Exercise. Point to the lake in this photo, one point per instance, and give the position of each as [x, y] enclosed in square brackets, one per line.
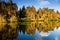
[30, 31]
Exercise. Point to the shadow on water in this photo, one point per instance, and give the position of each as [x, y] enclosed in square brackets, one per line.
[29, 31]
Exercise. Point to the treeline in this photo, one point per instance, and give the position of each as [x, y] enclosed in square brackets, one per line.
[41, 14]
[9, 12]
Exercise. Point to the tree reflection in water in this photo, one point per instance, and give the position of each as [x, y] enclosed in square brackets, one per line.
[30, 28]
[45, 27]
[41, 26]
[9, 31]
[22, 28]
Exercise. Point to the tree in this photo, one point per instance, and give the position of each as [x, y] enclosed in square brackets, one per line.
[22, 12]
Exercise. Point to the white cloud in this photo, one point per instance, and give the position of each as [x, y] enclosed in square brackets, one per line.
[56, 38]
[44, 3]
[44, 34]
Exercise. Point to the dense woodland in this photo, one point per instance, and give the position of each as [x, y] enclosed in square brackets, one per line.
[42, 14]
[9, 12]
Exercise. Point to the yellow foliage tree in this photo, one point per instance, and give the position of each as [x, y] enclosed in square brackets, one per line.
[13, 19]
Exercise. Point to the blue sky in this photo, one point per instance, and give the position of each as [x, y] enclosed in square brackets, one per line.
[53, 4]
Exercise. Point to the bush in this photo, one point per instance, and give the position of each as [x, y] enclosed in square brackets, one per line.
[52, 19]
[24, 19]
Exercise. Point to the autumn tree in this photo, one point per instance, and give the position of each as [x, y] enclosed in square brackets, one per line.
[31, 12]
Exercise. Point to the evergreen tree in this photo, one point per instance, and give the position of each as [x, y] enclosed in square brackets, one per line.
[22, 12]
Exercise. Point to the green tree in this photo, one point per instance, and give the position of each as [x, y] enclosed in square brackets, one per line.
[22, 12]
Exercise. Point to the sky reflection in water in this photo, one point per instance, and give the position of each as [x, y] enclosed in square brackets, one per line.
[51, 35]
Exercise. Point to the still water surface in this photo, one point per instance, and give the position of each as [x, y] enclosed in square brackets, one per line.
[30, 31]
